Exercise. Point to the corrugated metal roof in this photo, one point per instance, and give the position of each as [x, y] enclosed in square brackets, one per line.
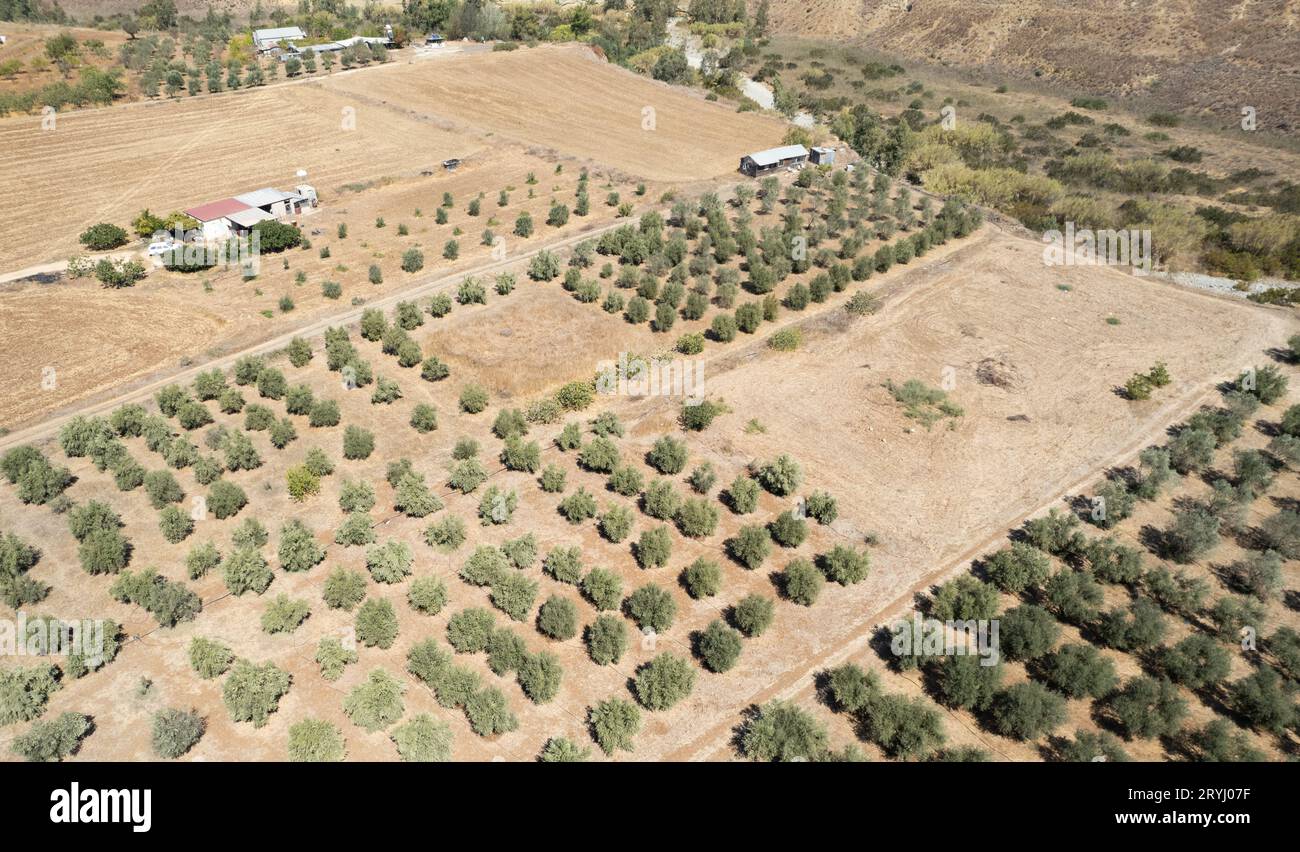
[278, 34]
[263, 197]
[775, 155]
[249, 218]
[214, 210]
[330, 46]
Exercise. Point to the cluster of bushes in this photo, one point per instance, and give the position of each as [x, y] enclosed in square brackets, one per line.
[485, 707]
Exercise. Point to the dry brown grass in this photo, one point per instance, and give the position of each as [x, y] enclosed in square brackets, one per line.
[1193, 54]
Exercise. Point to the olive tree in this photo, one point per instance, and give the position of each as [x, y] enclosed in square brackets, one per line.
[652, 608]
[614, 722]
[664, 681]
[175, 732]
[558, 618]
[375, 703]
[376, 624]
[718, 646]
[1079, 671]
[1148, 708]
[781, 731]
[1026, 711]
[423, 739]
[753, 614]
[606, 639]
[252, 692]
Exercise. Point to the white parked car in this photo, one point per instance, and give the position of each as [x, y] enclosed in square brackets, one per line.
[161, 248]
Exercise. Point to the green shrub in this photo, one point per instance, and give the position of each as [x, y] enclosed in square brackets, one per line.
[333, 658]
[787, 530]
[654, 547]
[1148, 708]
[24, 692]
[664, 681]
[284, 615]
[661, 500]
[613, 724]
[168, 601]
[539, 677]
[606, 639]
[802, 582]
[844, 565]
[358, 443]
[103, 236]
[750, 546]
[578, 506]
[209, 658]
[822, 508]
[175, 732]
[52, 740]
[668, 455]
[652, 608]
[1018, 567]
[225, 499]
[1026, 711]
[742, 495]
[780, 476]
[423, 739]
[316, 741]
[252, 692]
[468, 630]
[1028, 632]
[718, 646]
[489, 714]
[603, 588]
[781, 731]
[702, 578]
[473, 399]
[447, 534]
[376, 624]
[376, 703]
[753, 614]
[514, 594]
[558, 618]
[562, 750]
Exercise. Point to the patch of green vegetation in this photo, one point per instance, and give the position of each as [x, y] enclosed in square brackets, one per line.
[923, 403]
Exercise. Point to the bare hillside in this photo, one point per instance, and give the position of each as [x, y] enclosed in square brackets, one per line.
[1209, 56]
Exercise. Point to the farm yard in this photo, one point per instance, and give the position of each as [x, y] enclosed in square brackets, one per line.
[170, 156]
[174, 154]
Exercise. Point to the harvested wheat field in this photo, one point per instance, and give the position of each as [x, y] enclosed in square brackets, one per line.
[569, 100]
[108, 164]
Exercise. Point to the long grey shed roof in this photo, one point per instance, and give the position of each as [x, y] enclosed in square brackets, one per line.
[772, 156]
[274, 34]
